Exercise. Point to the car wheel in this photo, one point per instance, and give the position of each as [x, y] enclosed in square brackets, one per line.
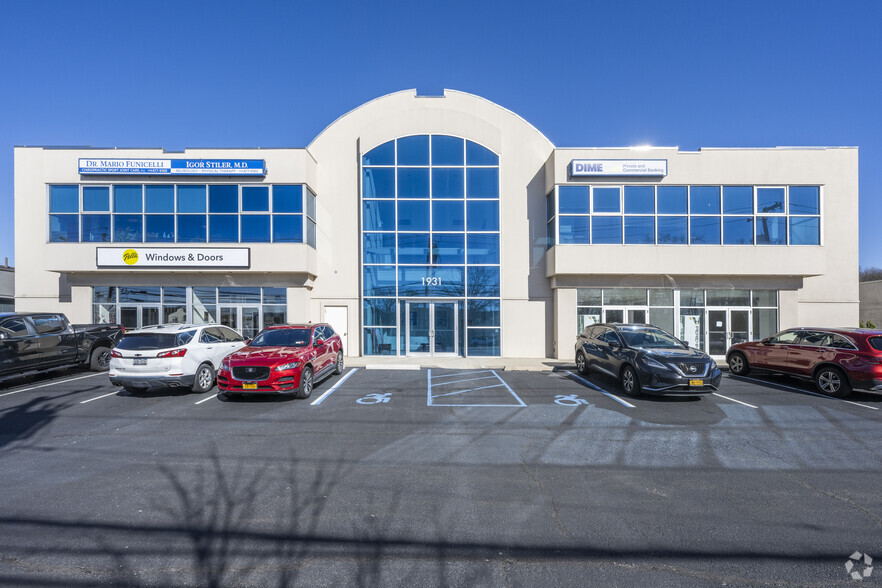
[832, 382]
[339, 367]
[581, 363]
[630, 381]
[204, 379]
[100, 359]
[305, 383]
[738, 364]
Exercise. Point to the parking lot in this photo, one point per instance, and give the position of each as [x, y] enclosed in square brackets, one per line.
[437, 477]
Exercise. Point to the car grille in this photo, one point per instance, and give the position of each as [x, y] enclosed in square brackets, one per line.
[693, 368]
[251, 372]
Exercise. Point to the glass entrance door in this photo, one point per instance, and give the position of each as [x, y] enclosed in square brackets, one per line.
[244, 319]
[625, 315]
[725, 327]
[432, 328]
[135, 317]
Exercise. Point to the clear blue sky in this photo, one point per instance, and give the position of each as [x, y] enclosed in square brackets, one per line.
[692, 74]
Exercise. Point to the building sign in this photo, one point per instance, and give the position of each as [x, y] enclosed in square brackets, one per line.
[177, 257]
[619, 167]
[173, 167]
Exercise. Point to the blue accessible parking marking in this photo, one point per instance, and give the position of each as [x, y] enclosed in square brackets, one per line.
[481, 387]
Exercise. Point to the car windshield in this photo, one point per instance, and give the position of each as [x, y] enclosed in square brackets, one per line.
[650, 339]
[141, 341]
[282, 338]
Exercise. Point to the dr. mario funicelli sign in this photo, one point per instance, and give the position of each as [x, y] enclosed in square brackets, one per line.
[156, 257]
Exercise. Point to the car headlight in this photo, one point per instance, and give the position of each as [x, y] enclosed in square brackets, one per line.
[224, 365]
[649, 362]
[288, 366]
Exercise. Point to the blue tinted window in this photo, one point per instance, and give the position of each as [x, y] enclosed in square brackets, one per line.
[413, 215]
[64, 228]
[672, 199]
[639, 229]
[771, 230]
[64, 199]
[379, 280]
[191, 199]
[704, 230]
[223, 228]
[483, 215]
[310, 232]
[607, 200]
[413, 248]
[413, 182]
[127, 199]
[483, 313]
[223, 199]
[127, 227]
[159, 198]
[550, 233]
[96, 227]
[573, 199]
[482, 182]
[310, 204]
[483, 280]
[159, 228]
[447, 150]
[483, 248]
[672, 229]
[448, 248]
[639, 200]
[288, 228]
[769, 200]
[287, 198]
[379, 311]
[381, 155]
[413, 150]
[738, 230]
[805, 200]
[378, 215]
[191, 227]
[378, 182]
[704, 200]
[380, 341]
[479, 155]
[255, 198]
[574, 230]
[255, 228]
[448, 182]
[431, 281]
[448, 215]
[96, 198]
[484, 342]
[549, 206]
[805, 231]
[379, 248]
[737, 200]
[606, 229]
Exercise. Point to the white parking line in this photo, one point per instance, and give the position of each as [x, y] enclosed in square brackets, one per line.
[733, 400]
[602, 391]
[210, 396]
[98, 397]
[53, 383]
[318, 400]
[802, 391]
[431, 396]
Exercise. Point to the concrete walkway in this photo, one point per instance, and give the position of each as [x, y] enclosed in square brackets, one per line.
[533, 364]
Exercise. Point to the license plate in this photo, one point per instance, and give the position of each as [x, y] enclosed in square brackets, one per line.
[696, 382]
[140, 361]
[249, 386]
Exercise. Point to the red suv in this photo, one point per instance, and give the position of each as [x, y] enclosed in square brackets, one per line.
[836, 359]
[285, 359]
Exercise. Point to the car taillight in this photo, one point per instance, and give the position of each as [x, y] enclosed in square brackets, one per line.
[173, 353]
[115, 353]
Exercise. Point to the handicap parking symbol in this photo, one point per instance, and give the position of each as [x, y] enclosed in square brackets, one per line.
[569, 400]
[375, 398]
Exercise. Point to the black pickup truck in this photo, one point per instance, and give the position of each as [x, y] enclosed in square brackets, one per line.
[32, 342]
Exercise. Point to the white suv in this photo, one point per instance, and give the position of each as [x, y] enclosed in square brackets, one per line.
[172, 355]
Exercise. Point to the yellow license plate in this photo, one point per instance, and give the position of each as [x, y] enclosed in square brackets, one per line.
[696, 382]
[249, 386]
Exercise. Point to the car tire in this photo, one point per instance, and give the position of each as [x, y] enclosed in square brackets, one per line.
[630, 381]
[305, 389]
[338, 368]
[738, 364]
[581, 363]
[99, 361]
[832, 381]
[204, 380]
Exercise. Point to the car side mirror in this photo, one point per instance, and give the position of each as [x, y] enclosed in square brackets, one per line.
[247, 341]
[685, 343]
[319, 342]
[615, 344]
[767, 341]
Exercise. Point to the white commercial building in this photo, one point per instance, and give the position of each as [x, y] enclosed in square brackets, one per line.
[442, 225]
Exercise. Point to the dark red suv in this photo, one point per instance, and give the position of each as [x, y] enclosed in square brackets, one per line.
[836, 359]
[284, 359]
